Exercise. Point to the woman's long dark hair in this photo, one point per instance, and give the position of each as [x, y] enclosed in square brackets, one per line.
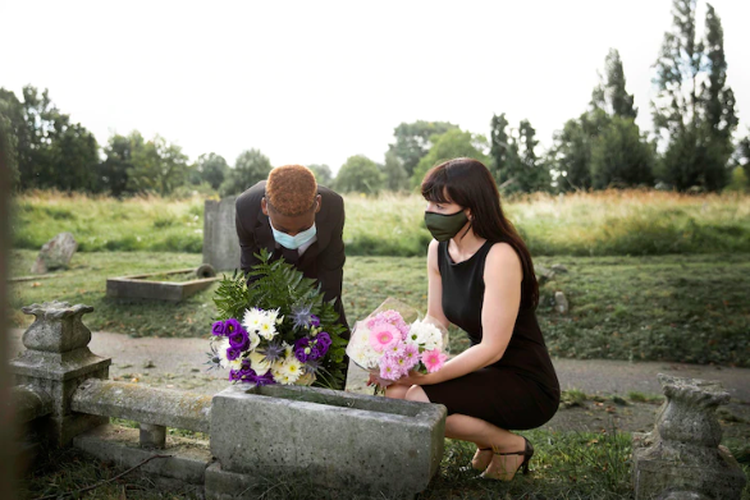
[468, 183]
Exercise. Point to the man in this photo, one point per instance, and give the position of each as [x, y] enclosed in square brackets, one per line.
[293, 217]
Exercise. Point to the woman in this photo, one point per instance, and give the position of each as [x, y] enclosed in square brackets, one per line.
[481, 279]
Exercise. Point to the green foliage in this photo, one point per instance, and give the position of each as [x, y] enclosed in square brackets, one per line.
[50, 151]
[454, 143]
[396, 178]
[251, 167]
[157, 167]
[212, 169]
[740, 181]
[697, 119]
[414, 140]
[360, 175]
[611, 95]
[604, 147]
[516, 165]
[620, 157]
[279, 285]
[8, 143]
[323, 174]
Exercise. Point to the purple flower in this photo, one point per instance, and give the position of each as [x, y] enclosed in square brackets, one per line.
[302, 349]
[314, 320]
[267, 379]
[231, 325]
[315, 352]
[233, 353]
[219, 329]
[239, 339]
[234, 375]
[324, 342]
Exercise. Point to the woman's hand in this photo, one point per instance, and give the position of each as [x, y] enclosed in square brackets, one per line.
[412, 378]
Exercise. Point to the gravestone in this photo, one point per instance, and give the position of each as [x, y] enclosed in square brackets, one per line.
[682, 457]
[55, 254]
[221, 246]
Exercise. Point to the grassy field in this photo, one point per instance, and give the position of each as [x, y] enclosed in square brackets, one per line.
[606, 223]
[690, 308]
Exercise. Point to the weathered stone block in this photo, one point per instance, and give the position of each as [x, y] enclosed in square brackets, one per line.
[221, 245]
[346, 442]
[55, 254]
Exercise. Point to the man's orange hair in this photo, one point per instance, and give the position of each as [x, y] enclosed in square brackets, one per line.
[291, 189]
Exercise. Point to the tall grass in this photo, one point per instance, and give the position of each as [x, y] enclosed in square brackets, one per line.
[631, 222]
[107, 224]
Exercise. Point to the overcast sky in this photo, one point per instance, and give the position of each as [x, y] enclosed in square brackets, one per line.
[319, 81]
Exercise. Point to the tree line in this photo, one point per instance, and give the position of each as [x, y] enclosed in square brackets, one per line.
[692, 148]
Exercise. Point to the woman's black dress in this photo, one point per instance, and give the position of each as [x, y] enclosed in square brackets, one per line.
[518, 392]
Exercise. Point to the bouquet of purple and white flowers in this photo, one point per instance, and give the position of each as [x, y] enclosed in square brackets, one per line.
[277, 329]
[254, 352]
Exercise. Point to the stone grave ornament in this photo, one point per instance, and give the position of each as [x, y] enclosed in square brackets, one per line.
[682, 457]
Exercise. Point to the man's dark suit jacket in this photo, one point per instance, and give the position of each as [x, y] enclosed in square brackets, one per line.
[323, 260]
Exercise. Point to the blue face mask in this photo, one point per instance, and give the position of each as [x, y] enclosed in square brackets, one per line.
[296, 241]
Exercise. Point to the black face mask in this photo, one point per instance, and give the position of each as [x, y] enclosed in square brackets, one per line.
[444, 227]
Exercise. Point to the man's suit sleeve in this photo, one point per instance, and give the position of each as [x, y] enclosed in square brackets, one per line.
[331, 263]
[248, 243]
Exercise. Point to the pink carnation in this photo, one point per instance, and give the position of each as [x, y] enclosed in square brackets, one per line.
[433, 360]
[383, 336]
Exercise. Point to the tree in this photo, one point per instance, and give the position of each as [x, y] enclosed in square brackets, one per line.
[212, 169]
[323, 174]
[604, 146]
[157, 167]
[413, 141]
[8, 138]
[119, 152]
[359, 174]
[251, 167]
[611, 95]
[501, 149]
[454, 143]
[396, 178]
[50, 151]
[620, 157]
[743, 155]
[696, 121]
[516, 165]
[571, 153]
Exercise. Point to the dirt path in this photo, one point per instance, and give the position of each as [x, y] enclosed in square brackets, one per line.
[180, 364]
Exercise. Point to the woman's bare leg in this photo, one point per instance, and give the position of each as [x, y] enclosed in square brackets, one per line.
[484, 435]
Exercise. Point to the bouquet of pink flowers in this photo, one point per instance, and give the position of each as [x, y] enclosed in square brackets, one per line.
[388, 347]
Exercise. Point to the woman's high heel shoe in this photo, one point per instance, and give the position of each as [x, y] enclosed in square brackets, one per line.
[501, 473]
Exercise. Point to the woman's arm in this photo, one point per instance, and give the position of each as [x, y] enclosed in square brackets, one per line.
[502, 298]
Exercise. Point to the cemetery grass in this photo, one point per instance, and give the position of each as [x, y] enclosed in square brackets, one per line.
[566, 466]
[683, 308]
[602, 223]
